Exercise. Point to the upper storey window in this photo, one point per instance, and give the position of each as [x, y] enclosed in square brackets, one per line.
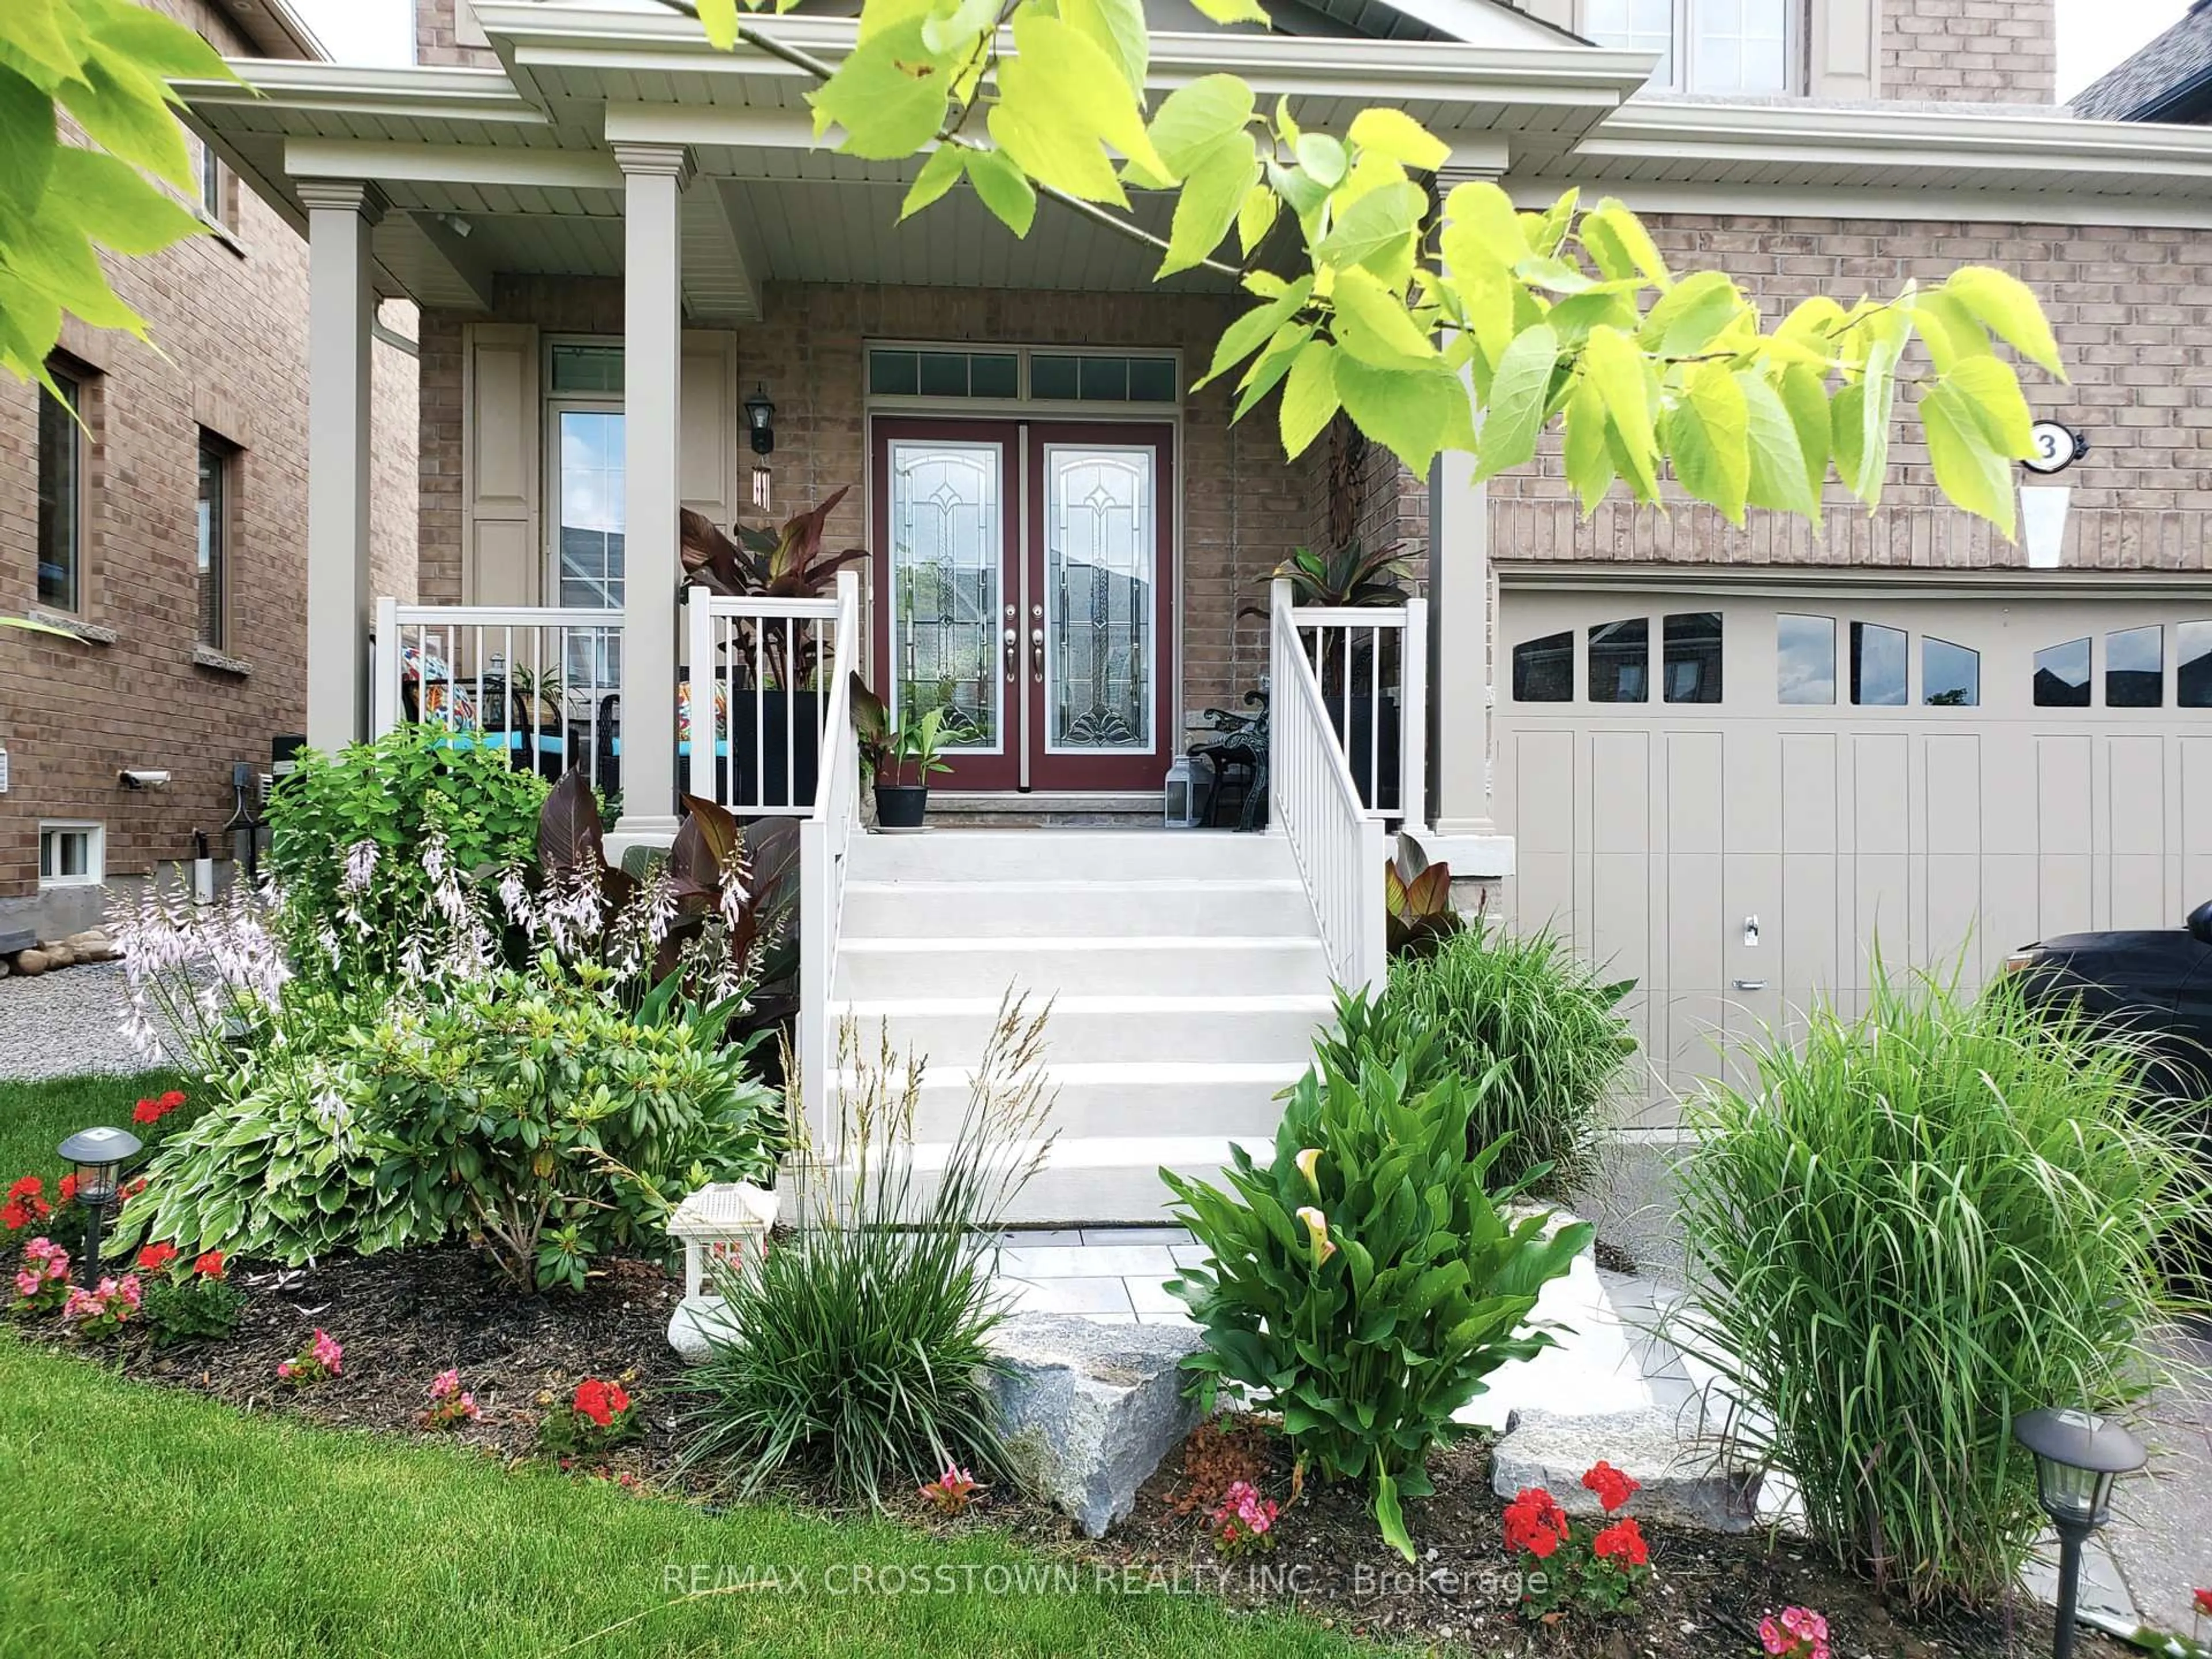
[1703, 46]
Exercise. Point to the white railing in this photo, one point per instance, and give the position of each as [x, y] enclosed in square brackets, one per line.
[825, 838]
[1371, 669]
[540, 682]
[1313, 802]
[768, 661]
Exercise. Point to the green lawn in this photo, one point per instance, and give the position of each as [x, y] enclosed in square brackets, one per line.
[36, 1117]
[144, 1520]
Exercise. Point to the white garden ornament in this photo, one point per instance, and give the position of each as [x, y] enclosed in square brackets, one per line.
[724, 1221]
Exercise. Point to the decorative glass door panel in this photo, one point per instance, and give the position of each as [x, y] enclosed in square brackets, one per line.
[1100, 547]
[1023, 578]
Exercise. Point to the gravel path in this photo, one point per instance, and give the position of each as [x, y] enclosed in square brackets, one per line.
[65, 1024]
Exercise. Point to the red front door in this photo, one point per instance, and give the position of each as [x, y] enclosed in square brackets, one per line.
[1024, 580]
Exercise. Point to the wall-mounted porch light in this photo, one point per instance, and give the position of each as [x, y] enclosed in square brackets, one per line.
[760, 419]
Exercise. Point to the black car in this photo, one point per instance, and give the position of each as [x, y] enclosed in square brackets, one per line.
[2154, 982]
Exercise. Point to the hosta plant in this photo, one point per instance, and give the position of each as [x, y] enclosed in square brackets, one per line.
[1363, 1282]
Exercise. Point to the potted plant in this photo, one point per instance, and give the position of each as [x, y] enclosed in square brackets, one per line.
[1349, 579]
[776, 710]
[900, 755]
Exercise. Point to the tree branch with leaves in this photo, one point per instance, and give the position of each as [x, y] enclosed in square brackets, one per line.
[105, 64]
[1435, 319]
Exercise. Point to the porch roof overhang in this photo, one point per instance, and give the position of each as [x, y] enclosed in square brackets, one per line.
[513, 169]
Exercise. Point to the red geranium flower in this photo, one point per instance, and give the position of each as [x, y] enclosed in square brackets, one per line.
[145, 1112]
[617, 1398]
[133, 1189]
[593, 1402]
[209, 1266]
[2204, 1601]
[155, 1257]
[1535, 1522]
[1614, 1488]
[172, 1100]
[68, 1187]
[1623, 1541]
[27, 1187]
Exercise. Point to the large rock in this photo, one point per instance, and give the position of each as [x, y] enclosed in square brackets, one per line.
[91, 945]
[1088, 1410]
[32, 962]
[696, 1319]
[1685, 1480]
[58, 954]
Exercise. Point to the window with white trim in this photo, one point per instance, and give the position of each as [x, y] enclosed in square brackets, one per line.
[1705, 45]
[72, 854]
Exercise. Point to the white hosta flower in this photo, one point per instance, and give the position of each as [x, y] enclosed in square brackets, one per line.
[360, 867]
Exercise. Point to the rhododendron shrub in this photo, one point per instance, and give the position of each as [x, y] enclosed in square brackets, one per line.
[1372, 1317]
[1572, 1566]
[599, 1416]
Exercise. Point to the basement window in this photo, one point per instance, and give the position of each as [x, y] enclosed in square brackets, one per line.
[72, 854]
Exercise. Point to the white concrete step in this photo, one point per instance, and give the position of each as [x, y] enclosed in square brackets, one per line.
[1143, 1099]
[952, 1031]
[1074, 965]
[1085, 1177]
[1201, 908]
[1086, 854]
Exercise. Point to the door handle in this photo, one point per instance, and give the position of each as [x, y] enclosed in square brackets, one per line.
[1012, 640]
[1751, 985]
[1036, 659]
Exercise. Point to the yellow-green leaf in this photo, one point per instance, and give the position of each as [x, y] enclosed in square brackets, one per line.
[1268, 368]
[1479, 216]
[955, 33]
[27, 142]
[1776, 478]
[890, 96]
[1412, 413]
[1589, 459]
[158, 45]
[1519, 393]
[1377, 231]
[720, 19]
[2008, 308]
[1633, 239]
[1805, 395]
[1193, 118]
[1399, 136]
[1689, 316]
[1373, 324]
[1309, 396]
[1209, 202]
[127, 114]
[1323, 158]
[1256, 218]
[1251, 330]
[1708, 438]
[1969, 473]
[1059, 100]
[115, 206]
[1952, 331]
[1004, 188]
[1232, 11]
[1989, 387]
[1615, 369]
[939, 175]
[1118, 27]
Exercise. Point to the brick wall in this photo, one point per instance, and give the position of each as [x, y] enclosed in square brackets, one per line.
[1991, 52]
[1242, 509]
[2132, 310]
[395, 473]
[231, 316]
[437, 37]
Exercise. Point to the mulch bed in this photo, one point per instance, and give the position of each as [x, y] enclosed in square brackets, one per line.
[403, 1317]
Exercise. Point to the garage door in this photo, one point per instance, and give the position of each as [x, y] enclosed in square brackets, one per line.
[1737, 795]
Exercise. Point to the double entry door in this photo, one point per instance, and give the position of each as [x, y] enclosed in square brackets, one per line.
[1024, 586]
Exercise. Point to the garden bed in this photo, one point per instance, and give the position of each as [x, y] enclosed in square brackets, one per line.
[405, 1316]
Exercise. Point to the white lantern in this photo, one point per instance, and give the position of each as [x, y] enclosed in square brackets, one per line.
[1179, 801]
[725, 1221]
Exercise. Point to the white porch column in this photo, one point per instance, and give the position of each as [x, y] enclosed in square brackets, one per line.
[1461, 654]
[341, 302]
[654, 176]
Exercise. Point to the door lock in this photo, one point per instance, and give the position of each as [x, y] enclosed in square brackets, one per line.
[1013, 640]
[1751, 930]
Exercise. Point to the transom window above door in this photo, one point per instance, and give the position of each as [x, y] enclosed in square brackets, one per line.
[1025, 375]
[1705, 45]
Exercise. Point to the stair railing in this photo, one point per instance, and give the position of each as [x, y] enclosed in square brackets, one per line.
[1313, 803]
[825, 839]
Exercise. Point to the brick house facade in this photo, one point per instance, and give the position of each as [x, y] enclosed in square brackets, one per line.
[137, 690]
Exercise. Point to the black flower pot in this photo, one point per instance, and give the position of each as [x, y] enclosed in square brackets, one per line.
[901, 805]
